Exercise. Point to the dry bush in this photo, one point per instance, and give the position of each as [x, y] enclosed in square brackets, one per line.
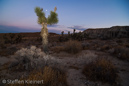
[7, 51]
[73, 46]
[105, 47]
[126, 45]
[31, 58]
[87, 57]
[3, 52]
[85, 46]
[54, 77]
[2, 45]
[118, 41]
[122, 52]
[50, 76]
[4, 66]
[57, 49]
[101, 70]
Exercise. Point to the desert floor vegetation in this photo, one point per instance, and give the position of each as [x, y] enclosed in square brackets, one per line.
[101, 70]
[71, 62]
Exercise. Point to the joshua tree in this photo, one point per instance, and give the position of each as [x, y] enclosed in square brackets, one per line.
[62, 33]
[68, 32]
[42, 20]
[74, 31]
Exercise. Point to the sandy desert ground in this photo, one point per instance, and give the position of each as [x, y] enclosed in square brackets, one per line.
[70, 64]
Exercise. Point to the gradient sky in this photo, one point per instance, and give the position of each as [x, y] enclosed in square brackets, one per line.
[78, 14]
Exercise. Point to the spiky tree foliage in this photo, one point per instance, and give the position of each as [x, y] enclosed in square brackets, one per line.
[42, 20]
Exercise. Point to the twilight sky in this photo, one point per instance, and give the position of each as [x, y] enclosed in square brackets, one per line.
[19, 15]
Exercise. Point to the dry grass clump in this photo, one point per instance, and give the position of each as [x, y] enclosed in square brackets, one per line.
[73, 46]
[50, 76]
[87, 57]
[105, 47]
[126, 45]
[118, 41]
[4, 66]
[122, 52]
[54, 77]
[100, 70]
[57, 49]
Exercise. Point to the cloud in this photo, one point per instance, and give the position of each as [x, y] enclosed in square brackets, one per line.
[13, 29]
[77, 27]
[59, 28]
[51, 28]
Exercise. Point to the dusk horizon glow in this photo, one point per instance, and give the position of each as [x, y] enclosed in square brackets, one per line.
[71, 14]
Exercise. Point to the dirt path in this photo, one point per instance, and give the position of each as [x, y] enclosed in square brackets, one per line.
[123, 71]
[74, 65]
[122, 67]
[75, 78]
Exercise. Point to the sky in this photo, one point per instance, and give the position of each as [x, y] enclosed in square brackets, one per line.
[19, 15]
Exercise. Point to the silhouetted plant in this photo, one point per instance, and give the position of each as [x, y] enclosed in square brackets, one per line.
[18, 38]
[74, 31]
[6, 40]
[42, 20]
[68, 32]
[12, 38]
[62, 33]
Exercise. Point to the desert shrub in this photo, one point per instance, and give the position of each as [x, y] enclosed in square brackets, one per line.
[54, 77]
[50, 76]
[73, 46]
[63, 38]
[85, 46]
[7, 52]
[4, 66]
[31, 58]
[87, 57]
[105, 47]
[101, 70]
[77, 36]
[28, 58]
[57, 49]
[119, 41]
[2, 45]
[122, 52]
[126, 45]
[18, 38]
[12, 38]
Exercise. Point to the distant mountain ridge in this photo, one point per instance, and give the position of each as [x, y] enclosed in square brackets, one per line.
[112, 32]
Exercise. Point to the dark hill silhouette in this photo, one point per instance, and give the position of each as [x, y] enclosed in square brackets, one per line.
[112, 32]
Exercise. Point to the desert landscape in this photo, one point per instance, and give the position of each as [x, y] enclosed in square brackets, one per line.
[64, 43]
[94, 57]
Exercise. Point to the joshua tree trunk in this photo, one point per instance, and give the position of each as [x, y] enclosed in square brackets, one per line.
[44, 35]
[42, 20]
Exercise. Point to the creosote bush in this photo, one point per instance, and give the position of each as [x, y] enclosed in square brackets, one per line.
[50, 76]
[30, 59]
[122, 52]
[73, 46]
[105, 47]
[57, 49]
[101, 70]
[12, 38]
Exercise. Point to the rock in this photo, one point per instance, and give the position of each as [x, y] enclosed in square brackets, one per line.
[106, 33]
